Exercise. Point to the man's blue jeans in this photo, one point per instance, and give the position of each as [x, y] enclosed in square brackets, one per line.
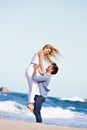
[37, 107]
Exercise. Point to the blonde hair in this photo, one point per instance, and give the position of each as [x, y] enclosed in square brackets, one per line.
[54, 52]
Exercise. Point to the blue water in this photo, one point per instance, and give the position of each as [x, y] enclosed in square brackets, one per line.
[55, 111]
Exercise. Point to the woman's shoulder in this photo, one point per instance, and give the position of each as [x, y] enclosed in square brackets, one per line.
[39, 53]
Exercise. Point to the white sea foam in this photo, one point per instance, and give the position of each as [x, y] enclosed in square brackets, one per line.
[57, 112]
[14, 107]
[47, 112]
[71, 108]
[9, 106]
[73, 99]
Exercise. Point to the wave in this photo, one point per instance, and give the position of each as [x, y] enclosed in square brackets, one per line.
[73, 99]
[74, 104]
[57, 113]
[54, 111]
[51, 112]
[14, 107]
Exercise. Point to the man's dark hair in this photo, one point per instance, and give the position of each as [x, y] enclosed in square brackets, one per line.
[55, 68]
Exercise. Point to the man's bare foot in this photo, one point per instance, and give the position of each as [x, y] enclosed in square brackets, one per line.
[30, 107]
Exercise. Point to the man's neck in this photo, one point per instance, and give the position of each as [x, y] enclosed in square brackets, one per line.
[48, 73]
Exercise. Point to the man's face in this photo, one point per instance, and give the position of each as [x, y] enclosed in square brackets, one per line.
[49, 68]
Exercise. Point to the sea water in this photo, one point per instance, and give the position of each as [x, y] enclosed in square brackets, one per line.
[55, 110]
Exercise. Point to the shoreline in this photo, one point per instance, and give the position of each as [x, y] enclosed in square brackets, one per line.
[17, 124]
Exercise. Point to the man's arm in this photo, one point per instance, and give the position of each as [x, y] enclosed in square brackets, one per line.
[39, 78]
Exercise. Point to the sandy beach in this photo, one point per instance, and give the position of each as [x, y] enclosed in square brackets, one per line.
[21, 125]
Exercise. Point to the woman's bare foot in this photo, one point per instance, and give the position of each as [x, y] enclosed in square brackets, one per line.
[30, 107]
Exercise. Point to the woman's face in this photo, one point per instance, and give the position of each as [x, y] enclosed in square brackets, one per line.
[47, 51]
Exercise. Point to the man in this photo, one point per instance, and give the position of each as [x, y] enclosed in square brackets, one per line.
[42, 90]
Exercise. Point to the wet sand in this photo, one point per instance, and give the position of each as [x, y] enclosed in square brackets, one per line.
[22, 125]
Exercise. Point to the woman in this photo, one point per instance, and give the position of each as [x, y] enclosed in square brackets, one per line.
[46, 53]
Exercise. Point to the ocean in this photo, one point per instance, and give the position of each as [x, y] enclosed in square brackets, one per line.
[55, 111]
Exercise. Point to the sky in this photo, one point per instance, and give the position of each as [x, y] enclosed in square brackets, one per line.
[27, 25]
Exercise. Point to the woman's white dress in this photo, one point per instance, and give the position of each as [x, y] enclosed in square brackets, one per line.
[32, 84]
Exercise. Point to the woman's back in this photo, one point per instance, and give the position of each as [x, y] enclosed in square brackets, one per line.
[35, 59]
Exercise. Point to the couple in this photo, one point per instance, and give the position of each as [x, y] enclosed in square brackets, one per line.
[38, 79]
